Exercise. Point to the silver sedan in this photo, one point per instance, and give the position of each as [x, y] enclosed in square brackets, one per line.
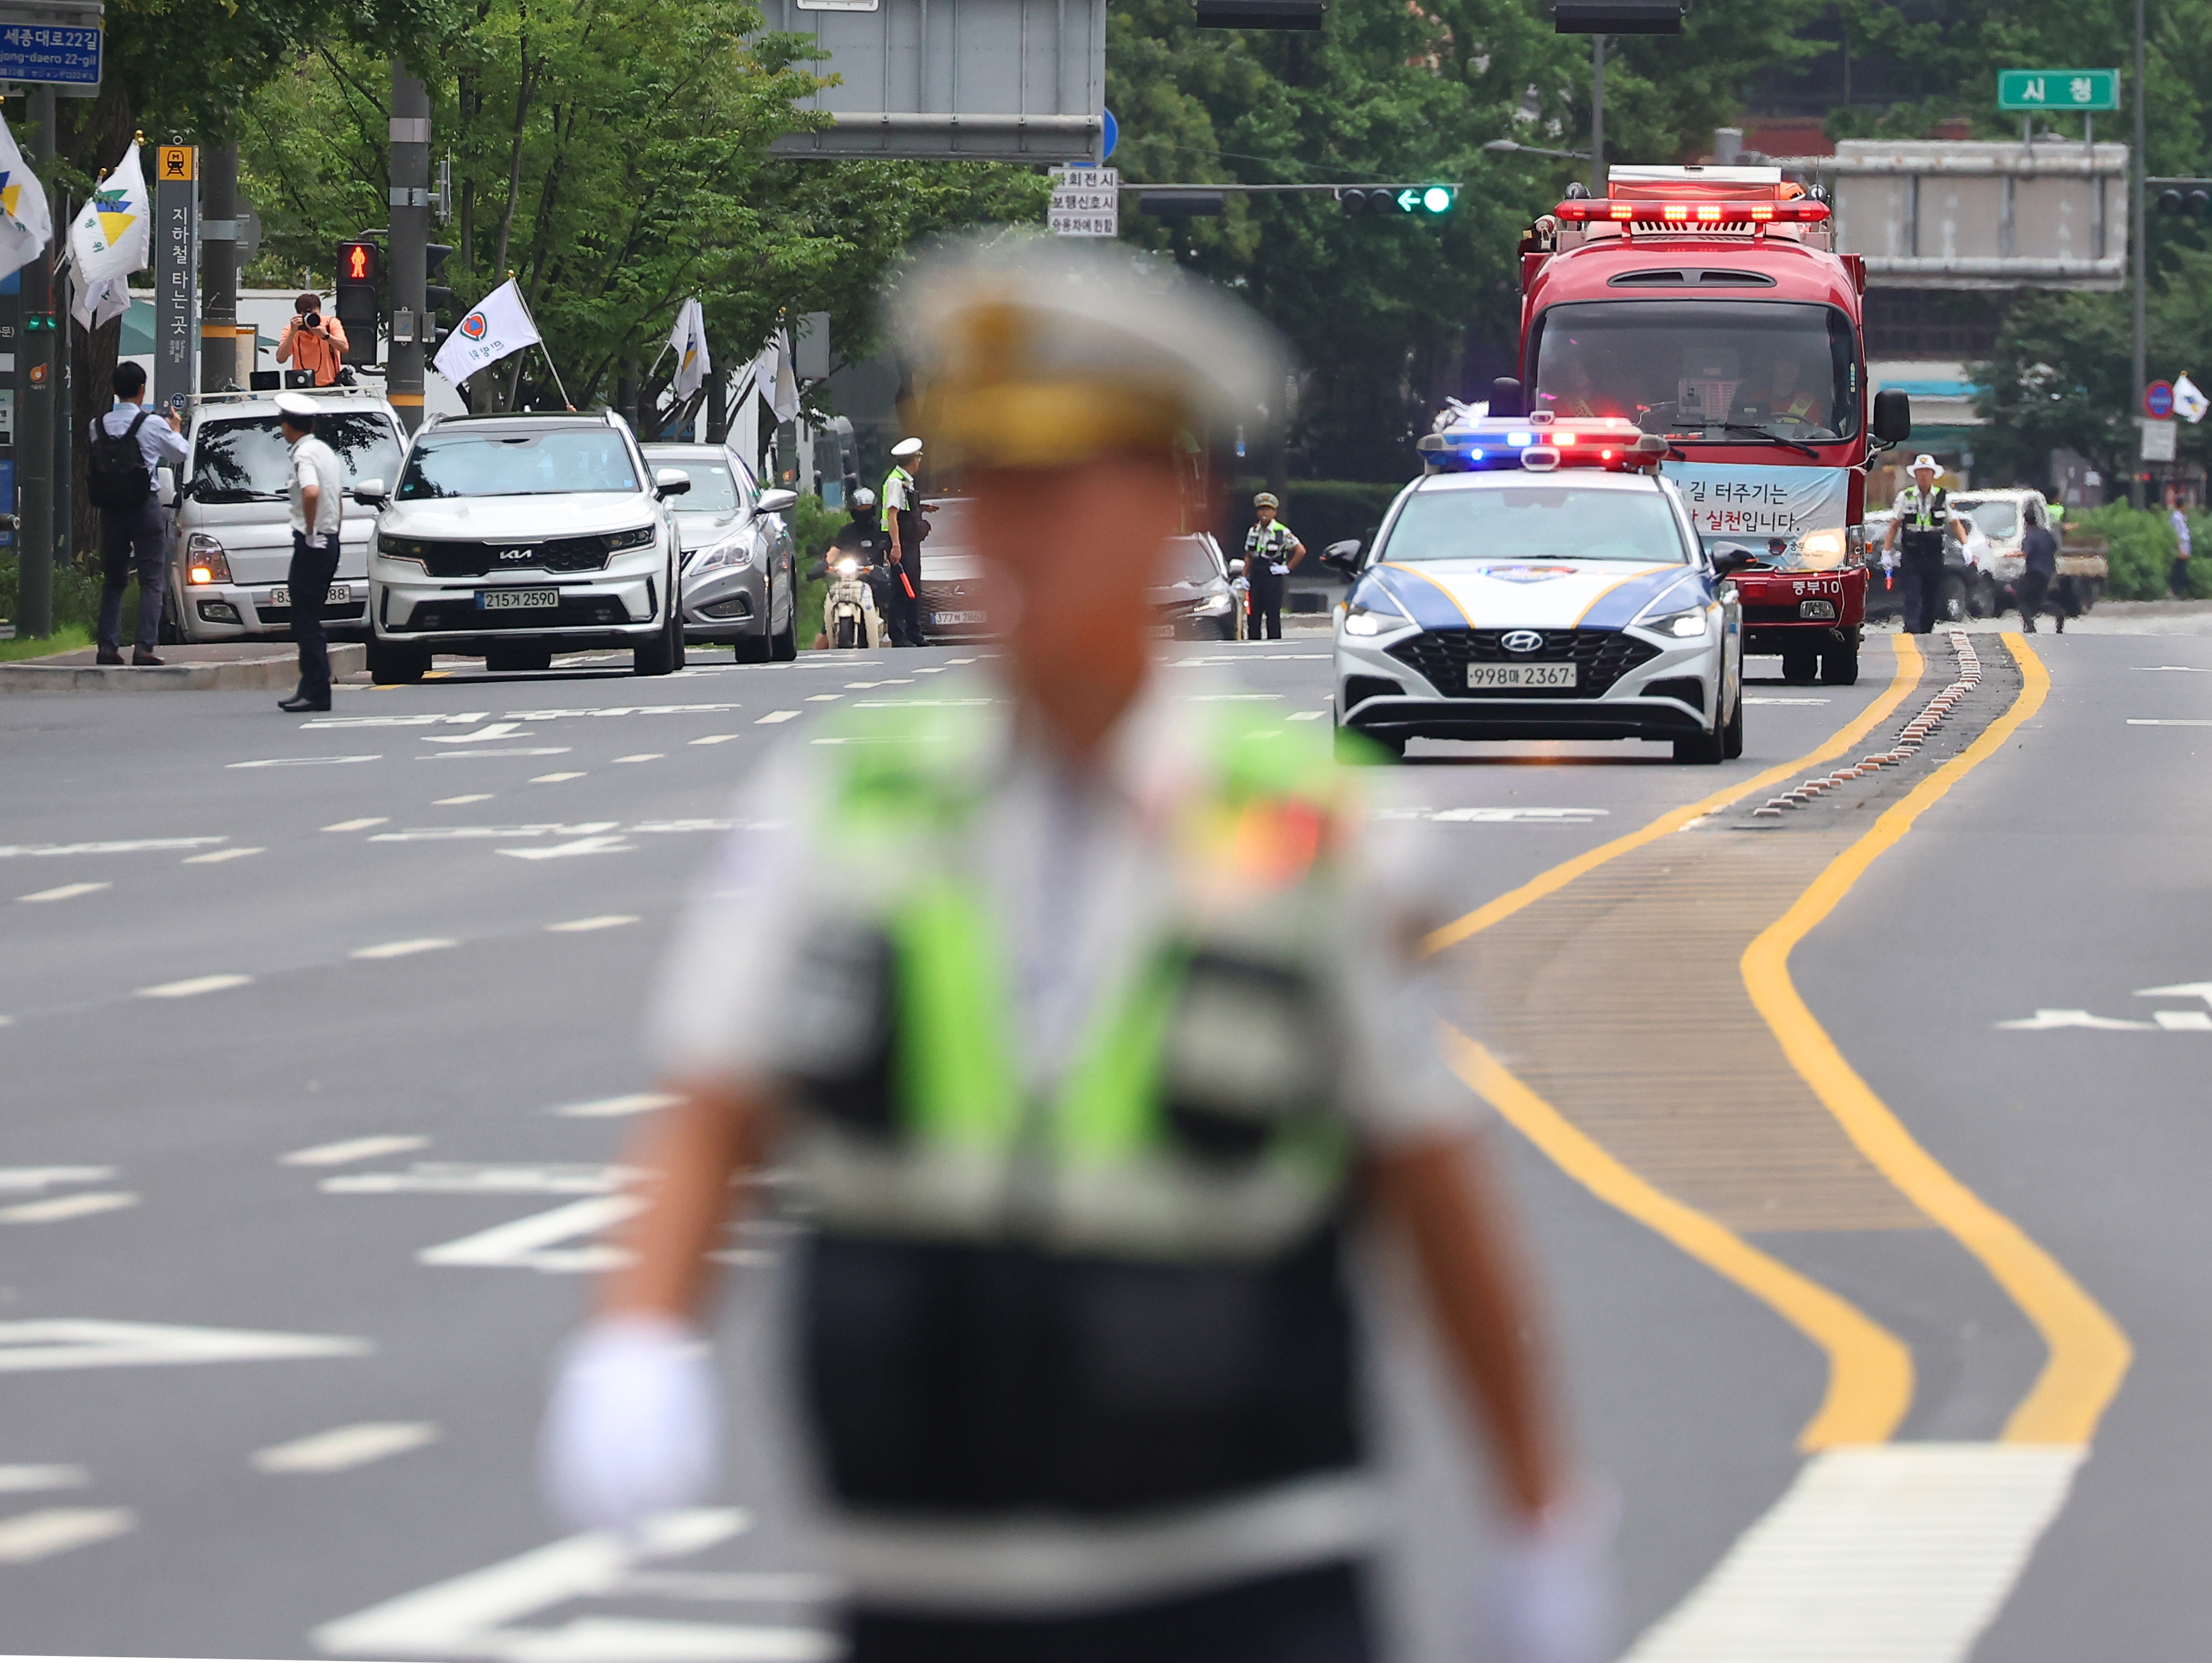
[739, 589]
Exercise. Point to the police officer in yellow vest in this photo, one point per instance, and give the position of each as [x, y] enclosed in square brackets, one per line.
[1087, 1025]
[1921, 522]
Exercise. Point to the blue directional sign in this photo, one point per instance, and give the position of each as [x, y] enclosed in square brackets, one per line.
[50, 54]
[1111, 137]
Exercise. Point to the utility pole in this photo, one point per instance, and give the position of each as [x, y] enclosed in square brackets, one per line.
[2139, 234]
[410, 232]
[219, 267]
[1597, 115]
[34, 441]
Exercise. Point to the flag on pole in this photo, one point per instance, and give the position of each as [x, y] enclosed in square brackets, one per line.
[114, 236]
[782, 388]
[687, 341]
[2190, 402]
[94, 305]
[500, 326]
[28, 224]
[742, 443]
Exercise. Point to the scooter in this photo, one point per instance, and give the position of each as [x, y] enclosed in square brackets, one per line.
[850, 616]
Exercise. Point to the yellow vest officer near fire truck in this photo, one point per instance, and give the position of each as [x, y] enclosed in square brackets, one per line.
[1092, 1028]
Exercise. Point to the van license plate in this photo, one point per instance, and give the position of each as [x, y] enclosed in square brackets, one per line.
[1521, 675]
[341, 594]
[516, 600]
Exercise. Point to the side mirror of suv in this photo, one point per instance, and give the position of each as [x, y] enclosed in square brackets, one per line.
[776, 502]
[1732, 557]
[1344, 557]
[1893, 416]
[371, 494]
[670, 482]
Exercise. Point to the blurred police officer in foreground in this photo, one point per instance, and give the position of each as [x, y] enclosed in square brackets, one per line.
[1093, 1028]
[1922, 523]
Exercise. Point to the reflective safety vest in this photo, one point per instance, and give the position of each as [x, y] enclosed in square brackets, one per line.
[1797, 409]
[1126, 1294]
[1920, 515]
[898, 494]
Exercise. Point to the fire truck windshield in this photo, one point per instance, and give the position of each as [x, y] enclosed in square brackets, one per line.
[1702, 371]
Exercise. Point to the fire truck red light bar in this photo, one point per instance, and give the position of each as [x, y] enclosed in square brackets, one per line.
[1584, 209]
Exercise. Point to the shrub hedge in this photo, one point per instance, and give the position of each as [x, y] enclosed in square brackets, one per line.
[2142, 549]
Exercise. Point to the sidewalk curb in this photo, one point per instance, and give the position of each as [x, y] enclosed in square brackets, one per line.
[277, 668]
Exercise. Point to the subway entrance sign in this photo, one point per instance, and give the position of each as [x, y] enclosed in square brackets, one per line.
[2058, 89]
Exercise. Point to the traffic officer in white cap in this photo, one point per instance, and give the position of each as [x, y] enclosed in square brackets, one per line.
[902, 522]
[1923, 522]
[1088, 1027]
[317, 493]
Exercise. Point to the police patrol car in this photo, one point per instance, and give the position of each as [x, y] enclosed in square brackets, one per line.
[1539, 581]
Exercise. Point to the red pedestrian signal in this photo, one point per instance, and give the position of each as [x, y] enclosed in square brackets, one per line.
[359, 263]
[360, 298]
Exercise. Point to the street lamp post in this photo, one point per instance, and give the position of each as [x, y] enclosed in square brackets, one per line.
[2141, 233]
[1597, 114]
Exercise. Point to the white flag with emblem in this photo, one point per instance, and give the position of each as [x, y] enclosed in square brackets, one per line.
[687, 341]
[26, 225]
[500, 326]
[2190, 402]
[114, 236]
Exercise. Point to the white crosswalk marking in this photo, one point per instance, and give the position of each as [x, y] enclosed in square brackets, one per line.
[353, 1149]
[61, 1207]
[22, 1480]
[403, 948]
[635, 1102]
[66, 892]
[362, 824]
[604, 921]
[191, 985]
[775, 716]
[91, 1342]
[216, 857]
[344, 1448]
[528, 1244]
[30, 1537]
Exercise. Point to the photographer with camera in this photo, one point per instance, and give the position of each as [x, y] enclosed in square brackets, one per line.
[313, 341]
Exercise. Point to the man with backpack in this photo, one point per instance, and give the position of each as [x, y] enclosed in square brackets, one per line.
[129, 445]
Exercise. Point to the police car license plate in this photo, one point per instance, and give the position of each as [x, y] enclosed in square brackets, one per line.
[341, 594]
[1521, 675]
[516, 600]
[948, 619]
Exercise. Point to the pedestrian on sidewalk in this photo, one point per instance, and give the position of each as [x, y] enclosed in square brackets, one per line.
[130, 446]
[313, 340]
[318, 493]
[1095, 1031]
[2039, 550]
[1272, 553]
[2177, 516]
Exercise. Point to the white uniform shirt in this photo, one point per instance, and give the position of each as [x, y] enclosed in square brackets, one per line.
[315, 463]
[2179, 521]
[1076, 869]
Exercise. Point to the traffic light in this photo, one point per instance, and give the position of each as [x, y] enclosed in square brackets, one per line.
[361, 308]
[2196, 204]
[437, 298]
[1618, 16]
[1430, 200]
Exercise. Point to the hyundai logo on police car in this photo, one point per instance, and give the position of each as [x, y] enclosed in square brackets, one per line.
[1521, 640]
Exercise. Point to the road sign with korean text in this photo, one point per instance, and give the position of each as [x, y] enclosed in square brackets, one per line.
[2058, 89]
[1086, 202]
[48, 53]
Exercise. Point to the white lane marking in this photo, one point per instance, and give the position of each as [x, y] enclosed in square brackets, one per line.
[496, 751]
[2179, 990]
[30, 1537]
[953, 661]
[22, 1480]
[555, 715]
[1749, 699]
[403, 948]
[635, 1102]
[612, 845]
[528, 1244]
[1902, 1552]
[483, 735]
[344, 1448]
[92, 1343]
[542, 829]
[2184, 1021]
[362, 824]
[1225, 698]
[300, 761]
[35, 1177]
[136, 845]
[191, 985]
[216, 857]
[781, 1588]
[2048, 1019]
[352, 1149]
[924, 704]
[2167, 721]
[484, 1178]
[604, 921]
[715, 738]
[821, 698]
[1308, 715]
[930, 670]
[776, 716]
[471, 1614]
[58, 1208]
[554, 779]
[457, 718]
[643, 756]
[66, 892]
[471, 796]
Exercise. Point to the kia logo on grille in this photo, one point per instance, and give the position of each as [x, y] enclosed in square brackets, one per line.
[1521, 640]
[517, 554]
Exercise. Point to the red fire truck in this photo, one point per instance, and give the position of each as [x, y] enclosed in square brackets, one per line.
[1708, 305]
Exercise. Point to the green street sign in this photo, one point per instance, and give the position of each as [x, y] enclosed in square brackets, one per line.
[2058, 89]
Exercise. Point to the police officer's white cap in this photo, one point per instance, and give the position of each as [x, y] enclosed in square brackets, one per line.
[1924, 460]
[906, 447]
[297, 403]
[1032, 353]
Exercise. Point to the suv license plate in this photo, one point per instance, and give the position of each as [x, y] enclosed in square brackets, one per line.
[1521, 675]
[516, 600]
[341, 594]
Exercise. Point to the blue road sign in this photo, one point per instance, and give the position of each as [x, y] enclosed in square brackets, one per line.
[46, 54]
[1112, 137]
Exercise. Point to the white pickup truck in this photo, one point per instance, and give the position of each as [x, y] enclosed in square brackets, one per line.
[1978, 579]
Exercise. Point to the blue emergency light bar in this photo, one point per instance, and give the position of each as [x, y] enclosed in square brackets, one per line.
[1540, 443]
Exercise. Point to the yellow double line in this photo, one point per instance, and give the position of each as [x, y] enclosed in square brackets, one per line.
[1869, 1370]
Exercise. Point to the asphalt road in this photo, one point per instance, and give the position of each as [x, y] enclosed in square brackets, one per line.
[319, 1043]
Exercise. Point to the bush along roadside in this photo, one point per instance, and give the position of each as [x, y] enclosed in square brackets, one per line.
[2142, 549]
[76, 598]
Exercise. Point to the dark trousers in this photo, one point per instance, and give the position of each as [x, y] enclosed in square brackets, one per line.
[2178, 579]
[1304, 1617]
[131, 541]
[309, 579]
[2032, 591]
[1267, 606]
[1922, 574]
[903, 617]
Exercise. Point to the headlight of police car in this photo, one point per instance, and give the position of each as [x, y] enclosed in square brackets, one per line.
[1373, 621]
[1688, 624]
[737, 553]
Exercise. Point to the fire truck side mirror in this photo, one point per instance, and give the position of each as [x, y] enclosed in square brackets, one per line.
[1893, 416]
[1505, 397]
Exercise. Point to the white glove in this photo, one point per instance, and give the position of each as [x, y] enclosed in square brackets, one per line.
[633, 1427]
[1551, 1586]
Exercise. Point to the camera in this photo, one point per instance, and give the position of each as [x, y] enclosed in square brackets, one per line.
[312, 320]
